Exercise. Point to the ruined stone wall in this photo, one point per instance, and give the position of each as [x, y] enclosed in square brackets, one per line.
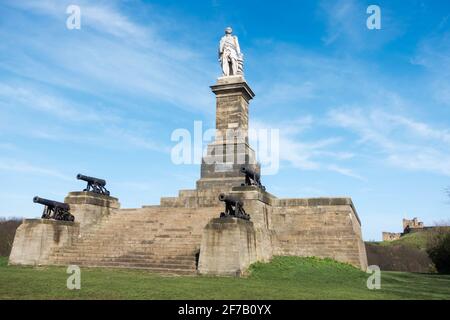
[391, 236]
[412, 224]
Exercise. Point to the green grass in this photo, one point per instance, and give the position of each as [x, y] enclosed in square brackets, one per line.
[415, 240]
[282, 278]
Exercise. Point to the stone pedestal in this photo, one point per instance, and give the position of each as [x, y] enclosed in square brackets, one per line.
[228, 247]
[230, 150]
[90, 208]
[36, 238]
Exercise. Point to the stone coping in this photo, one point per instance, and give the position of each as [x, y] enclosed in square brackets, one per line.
[233, 88]
[309, 202]
[312, 202]
[229, 220]
[83, 197]
[92, 195]
[51, 221]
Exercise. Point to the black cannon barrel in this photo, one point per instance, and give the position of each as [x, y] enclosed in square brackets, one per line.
[92, 180]
[249, 171]
[51, 203]
[228, 198]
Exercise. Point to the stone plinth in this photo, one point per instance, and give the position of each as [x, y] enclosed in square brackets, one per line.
[230, 150]
[228, 247]
[90, 208]
[36, 238]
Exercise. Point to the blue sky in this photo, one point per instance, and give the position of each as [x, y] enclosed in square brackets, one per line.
[361, 113]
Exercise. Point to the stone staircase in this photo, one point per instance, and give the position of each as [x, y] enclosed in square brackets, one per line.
[155, 238]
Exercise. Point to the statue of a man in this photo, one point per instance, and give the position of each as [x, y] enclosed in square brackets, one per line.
[230, 57]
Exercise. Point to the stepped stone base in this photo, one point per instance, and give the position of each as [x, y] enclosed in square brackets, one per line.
[168, 238]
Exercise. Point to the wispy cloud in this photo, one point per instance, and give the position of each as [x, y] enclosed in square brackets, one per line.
[300, 152]
[147, 67]
[434, 55]
[401, 141]
[19, 166]
[346, 25]
[36, 99]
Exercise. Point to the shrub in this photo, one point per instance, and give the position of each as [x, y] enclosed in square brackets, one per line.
[439, 249]
[7, 231]
[399, 257]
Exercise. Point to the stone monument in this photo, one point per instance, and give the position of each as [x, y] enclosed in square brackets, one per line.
[185, 234]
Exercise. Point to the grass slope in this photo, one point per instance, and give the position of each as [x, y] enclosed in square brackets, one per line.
[416, 240]
[282, 278]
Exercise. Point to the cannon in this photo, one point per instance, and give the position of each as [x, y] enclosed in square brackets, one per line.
[95, 185]
[252, 178]
[233, 207]
[55, 210]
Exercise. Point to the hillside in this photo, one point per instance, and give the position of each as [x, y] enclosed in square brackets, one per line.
[405, 254]
[282, 278]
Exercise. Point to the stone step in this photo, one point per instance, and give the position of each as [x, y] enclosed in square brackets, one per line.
[150, 269]
[172, 252]
[153, 238]
[126, 254]
[119, 244]
[135, 264]
[181, 263]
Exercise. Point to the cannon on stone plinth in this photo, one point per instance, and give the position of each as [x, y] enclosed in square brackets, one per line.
[55, 210]
[252, 178]
[234, 207]
[95, 185]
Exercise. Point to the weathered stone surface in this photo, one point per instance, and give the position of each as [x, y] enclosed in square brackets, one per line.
[90, 208]
[228, 247]
[36, 238]
[154, 238]
[314, 228]
[225, 156]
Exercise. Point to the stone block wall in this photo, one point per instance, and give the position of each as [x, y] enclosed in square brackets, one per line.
[412, 224]
[228, 247]
[36, 238]
[320, 227]
[89, 209]
[391, 236]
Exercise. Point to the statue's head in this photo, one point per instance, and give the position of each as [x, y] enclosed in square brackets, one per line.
[228, 30]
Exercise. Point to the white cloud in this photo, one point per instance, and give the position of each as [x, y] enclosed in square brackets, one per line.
[18, 166]
[346, 172]
[433, 54]
[307, 154]
[50, 103]
[346, 24]
[136, 60]
[402, 142]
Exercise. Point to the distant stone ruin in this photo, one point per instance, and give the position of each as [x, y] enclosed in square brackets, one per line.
[413, 225]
